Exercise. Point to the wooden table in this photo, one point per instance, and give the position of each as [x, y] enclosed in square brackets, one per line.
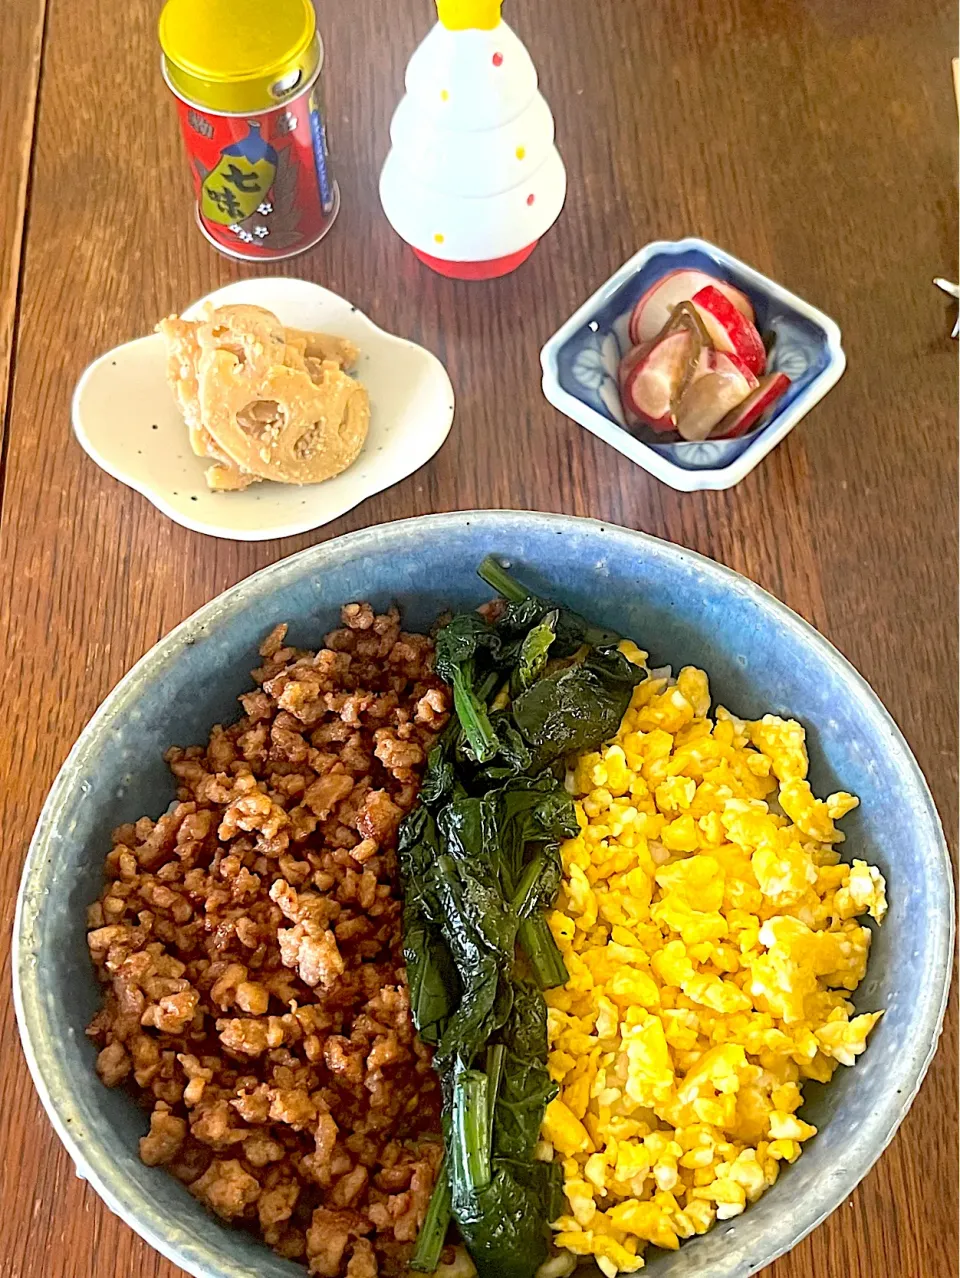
[814, 138]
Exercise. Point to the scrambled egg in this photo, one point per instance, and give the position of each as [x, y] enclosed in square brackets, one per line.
[710, 933]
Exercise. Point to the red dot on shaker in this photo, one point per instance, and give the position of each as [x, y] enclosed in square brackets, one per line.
[498, 59]
[531, 198]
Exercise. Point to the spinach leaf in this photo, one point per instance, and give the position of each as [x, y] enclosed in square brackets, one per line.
[533, 816]
[480, 1011]
[479, 926]
[431, 973]
[440, 777]
[525, 1093]
[544, 1181]
[531, 811]
[525, 1087]
[514, 755]
[503, 1224]
[534, 653]
[526, 610]
[460, 641]
[472, 713]
[538, 886]
[465, 647]
[468, 828]
[480, 862]
[576, 708]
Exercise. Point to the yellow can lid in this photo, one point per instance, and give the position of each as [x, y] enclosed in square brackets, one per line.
[238, 55]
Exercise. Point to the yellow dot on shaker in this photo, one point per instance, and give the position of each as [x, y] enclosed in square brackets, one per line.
[438, 238]
[444, 95]
[521, 152]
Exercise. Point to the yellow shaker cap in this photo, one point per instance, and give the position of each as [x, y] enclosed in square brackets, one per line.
[463, 15]
[235, 55]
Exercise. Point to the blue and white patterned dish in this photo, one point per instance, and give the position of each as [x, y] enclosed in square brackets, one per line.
[580, 364]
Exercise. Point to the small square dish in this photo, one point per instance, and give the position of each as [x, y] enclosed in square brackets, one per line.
[580, 364]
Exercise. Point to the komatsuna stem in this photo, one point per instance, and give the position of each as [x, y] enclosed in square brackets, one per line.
[470, 1132]
[433, 1231]
[498, 579]
[474, 720]
[496, 1060]
[534, 935]
[543, 954]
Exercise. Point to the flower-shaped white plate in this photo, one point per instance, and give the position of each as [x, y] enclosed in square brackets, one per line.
[125, 417]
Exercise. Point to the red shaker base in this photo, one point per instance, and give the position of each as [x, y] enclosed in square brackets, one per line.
[491, 269]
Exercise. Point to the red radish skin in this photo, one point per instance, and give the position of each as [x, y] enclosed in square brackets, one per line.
[740, 300]
[650, 376]
[716, 390]
[746, 415]
[656, 305]
[728, 329]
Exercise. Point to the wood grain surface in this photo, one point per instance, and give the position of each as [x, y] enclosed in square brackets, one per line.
[814, 138]
[21, 41]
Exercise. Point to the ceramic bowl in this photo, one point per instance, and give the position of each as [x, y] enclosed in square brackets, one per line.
[760, 656]
[580, 364]
[125, 417]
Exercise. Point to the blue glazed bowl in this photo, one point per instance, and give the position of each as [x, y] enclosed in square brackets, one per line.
[580, 364]
[684, 609]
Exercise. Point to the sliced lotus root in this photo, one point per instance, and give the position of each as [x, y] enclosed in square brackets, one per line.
[259, 340]
[288, 427]
[254, 343]
[183, 361]
[252, 335]
[227, 477]
[322, 348]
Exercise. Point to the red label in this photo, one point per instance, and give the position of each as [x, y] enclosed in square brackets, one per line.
[262, 181]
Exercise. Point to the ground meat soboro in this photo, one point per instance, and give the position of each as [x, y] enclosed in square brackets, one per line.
[249, 943]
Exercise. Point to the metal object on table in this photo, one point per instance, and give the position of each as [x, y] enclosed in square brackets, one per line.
[247, 78]
[954, 291]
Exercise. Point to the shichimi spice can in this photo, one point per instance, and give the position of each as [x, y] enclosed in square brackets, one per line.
[247, 78]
